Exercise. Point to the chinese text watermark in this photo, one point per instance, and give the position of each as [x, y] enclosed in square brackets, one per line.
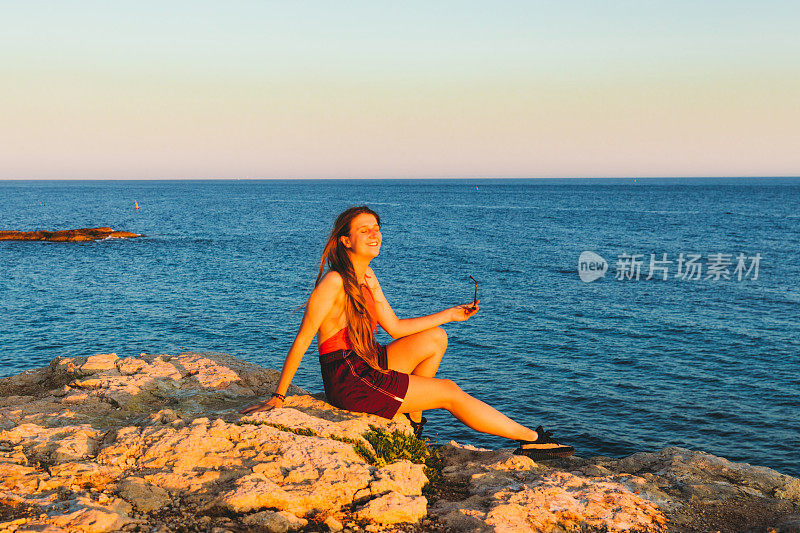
[686, 266]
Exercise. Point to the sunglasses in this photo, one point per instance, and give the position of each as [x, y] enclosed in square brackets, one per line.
[475, 298]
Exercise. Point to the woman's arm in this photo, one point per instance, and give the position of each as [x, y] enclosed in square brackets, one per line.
[319, 305]
[397, 327]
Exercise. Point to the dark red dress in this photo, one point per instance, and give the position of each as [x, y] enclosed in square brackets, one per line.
[351, 384]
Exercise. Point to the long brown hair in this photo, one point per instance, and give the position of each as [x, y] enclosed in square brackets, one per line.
[359, 319]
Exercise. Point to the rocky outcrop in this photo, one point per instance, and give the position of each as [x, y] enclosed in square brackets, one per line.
[155, 443]
[672, 490]
[67, 235]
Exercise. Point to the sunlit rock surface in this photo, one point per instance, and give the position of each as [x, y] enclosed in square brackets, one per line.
[67, 235]
[155, 443]
[671, 490]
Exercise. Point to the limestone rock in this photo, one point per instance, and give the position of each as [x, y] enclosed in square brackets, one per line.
[86, 442]
[306, 412]
[558, 500]
[394, 508]
[91, 516]
[339, 477]
[80, 473]
[688, 467]
[54, 444]
[644, 492]
[403, 477]
[18, 477]
[143, 495]
[333, 524]
[99, 362]
[67, 235]
[275, 522]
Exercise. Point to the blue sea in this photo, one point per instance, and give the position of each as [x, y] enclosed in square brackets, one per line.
[706, 359]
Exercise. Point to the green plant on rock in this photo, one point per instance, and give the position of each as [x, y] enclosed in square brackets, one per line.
[397, 445]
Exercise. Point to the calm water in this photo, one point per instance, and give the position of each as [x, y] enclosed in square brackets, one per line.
[614, 366]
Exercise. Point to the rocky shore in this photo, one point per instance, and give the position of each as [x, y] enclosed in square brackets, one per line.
[155, 443]
[67, 235]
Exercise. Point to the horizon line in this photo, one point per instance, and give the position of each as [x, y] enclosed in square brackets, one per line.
[333, 178]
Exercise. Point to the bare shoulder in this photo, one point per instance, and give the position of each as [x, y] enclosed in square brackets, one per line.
[332, 278]
[328, 293]
[330, 284]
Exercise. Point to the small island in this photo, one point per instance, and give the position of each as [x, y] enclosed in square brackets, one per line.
[67, 235]
[156, 443]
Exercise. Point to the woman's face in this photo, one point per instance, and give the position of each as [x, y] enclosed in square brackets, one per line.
[365, 236]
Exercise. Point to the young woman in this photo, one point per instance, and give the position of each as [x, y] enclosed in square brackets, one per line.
[361, 375]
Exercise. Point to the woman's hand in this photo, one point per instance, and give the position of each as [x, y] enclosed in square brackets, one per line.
[462, 312]
[266, 405]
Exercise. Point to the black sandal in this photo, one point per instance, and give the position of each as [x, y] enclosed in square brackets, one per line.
[544, 447]
[417, 426]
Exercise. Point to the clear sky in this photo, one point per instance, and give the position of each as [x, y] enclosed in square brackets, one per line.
[200, 89]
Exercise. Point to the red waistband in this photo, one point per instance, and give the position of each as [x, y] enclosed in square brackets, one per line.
[333, 356]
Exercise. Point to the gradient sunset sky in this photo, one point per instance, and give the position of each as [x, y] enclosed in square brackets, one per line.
[175, 89]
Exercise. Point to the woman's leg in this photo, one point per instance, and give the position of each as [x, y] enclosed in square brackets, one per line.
[432, 393]
[418, 354]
